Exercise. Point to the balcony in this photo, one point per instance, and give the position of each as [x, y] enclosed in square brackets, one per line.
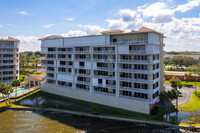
[143, 52]
[106, 77]
[104, 60]
[105, 52]
[138, 71]
[82, 59]
[48, 77]
[66, 66]
[8, 46]
[83, 82]
[8, 75]
[4, 64]
[130, 42]
[8, 58]
[140, 90]
[105, 68]
[48, 65]
[64, 52]
[9, 69]
[82, 52]
[83, 74]
[9, 52]
[104, 93]
[48, 58]
[49, 71]
[67, 73]
[138, 61]
[65, 59]
[137, 80]
[65, 86]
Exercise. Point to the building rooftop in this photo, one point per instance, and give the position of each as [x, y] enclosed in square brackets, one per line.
[142, 29]
[112, 31]
[9, 39]
[51, 37]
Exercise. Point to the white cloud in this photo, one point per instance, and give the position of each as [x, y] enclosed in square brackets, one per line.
[28, 43]
[129, 19]
[74, 33]
[188, 6]
[48, 25]
[23, 13]
[1, 26]
[69, 19]
[92, 29]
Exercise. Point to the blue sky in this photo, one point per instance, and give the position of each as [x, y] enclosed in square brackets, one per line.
[29, 20]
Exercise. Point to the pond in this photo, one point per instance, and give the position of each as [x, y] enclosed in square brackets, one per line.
[15, 121]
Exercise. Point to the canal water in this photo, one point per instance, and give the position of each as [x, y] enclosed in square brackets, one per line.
[15, 121]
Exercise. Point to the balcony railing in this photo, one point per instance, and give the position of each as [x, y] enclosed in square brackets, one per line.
[65, 86]
[137, 80]
[104, 60]
[8, 69]
[45, 64]
[65, 59]
[129, 42]
[82, 59]
[48, 58]
[48, 77]
[107, 77]
[4, 64]
[135, 61]
[83, 74]
[8, 75]
[9, 58]
[104, 68]
[67, 66]
[83, 82]
[151, 101]
[64, 52]
[67, 73]
[82, 52]
[136, 70]
[9, 52]
[8, 46]
[104, 52]
[143, 52]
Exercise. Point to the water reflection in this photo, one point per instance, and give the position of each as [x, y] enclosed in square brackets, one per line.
[53, 122]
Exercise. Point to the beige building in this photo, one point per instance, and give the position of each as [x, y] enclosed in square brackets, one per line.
[9, 59]
[123, 70]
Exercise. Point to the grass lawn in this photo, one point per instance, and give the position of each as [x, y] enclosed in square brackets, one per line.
[193, 104]
[187, 125]
[184, 82]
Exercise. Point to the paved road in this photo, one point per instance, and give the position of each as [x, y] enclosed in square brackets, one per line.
[184, 96]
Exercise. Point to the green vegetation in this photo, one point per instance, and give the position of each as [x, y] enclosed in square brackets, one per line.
[193, 104]
[5, 91]
[16, 83]
[22, 77]
[184, 82]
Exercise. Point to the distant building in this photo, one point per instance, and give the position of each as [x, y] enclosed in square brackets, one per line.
[123, 70]
[9, 59]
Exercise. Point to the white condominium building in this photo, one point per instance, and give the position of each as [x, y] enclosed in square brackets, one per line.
[122, 70]
[9, 60]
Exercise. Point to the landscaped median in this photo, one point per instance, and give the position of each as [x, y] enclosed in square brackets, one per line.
[193, 104]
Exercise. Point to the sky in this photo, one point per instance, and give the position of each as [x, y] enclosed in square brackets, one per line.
[29, 20]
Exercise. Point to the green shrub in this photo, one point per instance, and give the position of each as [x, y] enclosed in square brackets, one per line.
[22, 77]
[187, 85]
[38, 72]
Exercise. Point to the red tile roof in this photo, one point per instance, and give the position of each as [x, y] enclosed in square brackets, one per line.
[111, 31]
[142, 29]
[44, 38]
[13, 39]
[91, 35]
[38, 76]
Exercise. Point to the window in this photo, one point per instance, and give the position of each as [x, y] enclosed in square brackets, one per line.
[81, 63]
[100, 81]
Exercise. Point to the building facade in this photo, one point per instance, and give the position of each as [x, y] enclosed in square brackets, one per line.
[123, 70]
[9, 60]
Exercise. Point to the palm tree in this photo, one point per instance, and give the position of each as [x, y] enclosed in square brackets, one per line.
[16, 83]
[195, 70]
[164, 97]
[8, 90]
[37, 61]
[2, 91]
[176, 84]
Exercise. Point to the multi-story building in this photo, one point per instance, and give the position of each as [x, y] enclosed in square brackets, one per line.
[9, 59]
[123, 70]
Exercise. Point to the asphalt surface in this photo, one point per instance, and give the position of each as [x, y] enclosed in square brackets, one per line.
[185, 94]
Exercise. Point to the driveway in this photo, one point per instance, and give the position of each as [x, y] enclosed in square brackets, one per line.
[185, 95]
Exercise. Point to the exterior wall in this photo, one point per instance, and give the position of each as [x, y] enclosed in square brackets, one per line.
[153, 38]
[137, 106]
[9, 57]
[115, 94]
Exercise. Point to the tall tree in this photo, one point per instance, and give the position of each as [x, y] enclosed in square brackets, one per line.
[2, 91]
[195, 70]
[8, 90]
[37, 61]
[176, 84]
[16, 83]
